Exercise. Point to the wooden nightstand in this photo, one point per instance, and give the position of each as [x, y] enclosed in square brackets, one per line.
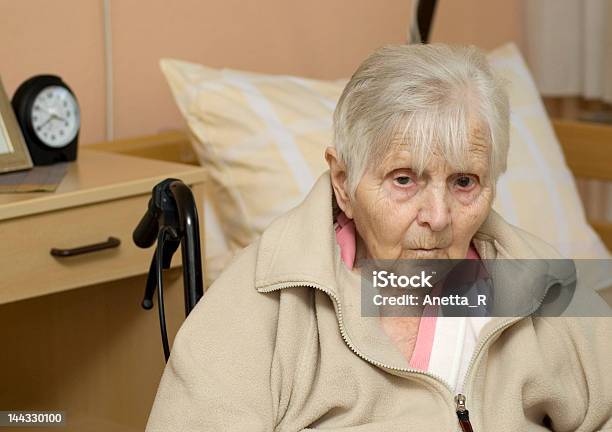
[74, 337]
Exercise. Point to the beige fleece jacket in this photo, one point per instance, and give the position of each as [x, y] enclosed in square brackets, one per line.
[277, 344]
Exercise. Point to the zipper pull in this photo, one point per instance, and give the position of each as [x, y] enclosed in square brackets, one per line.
[463, 414]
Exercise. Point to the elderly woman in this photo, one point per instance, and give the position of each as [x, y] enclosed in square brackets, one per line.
[278, 342]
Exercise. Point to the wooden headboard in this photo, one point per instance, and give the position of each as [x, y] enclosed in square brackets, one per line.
[588, 153]
[587, 148]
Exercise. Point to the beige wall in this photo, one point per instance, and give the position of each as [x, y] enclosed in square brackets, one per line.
[317, 38]
[485, 23]
[62, 37]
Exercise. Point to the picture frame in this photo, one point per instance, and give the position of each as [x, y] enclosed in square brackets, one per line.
[14, 153]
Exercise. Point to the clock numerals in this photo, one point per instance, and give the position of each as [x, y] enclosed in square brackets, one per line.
[55, 116]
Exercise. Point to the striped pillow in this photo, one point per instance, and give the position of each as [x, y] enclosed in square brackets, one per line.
[262, 139]
[538, 192]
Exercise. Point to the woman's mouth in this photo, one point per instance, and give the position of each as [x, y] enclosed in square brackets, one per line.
[425, 253]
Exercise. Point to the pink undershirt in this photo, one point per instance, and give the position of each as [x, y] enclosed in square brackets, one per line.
[345, 237]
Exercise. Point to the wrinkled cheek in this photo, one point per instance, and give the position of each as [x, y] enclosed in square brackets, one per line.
[467, 220]
[388, 232]
[368, 227]
[481, 208]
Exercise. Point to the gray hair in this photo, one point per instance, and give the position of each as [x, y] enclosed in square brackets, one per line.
[427, 96]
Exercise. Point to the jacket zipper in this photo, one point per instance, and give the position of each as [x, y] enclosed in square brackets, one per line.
[460, 399]
[464, 413]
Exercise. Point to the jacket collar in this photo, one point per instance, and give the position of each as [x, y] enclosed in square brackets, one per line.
[299, 245]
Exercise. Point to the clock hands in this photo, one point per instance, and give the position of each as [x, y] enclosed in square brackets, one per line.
[58, 117]
[45, 123]
[52, 116]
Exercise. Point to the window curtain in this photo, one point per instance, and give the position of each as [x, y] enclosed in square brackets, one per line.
[569, 47]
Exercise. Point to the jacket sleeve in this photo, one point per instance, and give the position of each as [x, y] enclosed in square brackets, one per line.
[218, 374]
[588, 341]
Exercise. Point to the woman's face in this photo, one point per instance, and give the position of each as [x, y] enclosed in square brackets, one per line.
[400, 215]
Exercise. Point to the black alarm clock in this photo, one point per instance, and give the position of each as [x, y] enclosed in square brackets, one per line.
[48, 113]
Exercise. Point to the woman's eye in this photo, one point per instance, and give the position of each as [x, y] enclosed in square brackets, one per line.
[403, 180]
[465, 181]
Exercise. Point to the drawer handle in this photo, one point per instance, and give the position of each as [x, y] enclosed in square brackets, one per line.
[112, 242]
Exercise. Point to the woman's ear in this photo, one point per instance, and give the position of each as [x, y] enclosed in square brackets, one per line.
[339, 180]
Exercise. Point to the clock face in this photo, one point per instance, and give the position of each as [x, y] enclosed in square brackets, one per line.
[55, 116]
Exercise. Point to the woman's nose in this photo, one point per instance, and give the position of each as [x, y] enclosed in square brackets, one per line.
[434, 211]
